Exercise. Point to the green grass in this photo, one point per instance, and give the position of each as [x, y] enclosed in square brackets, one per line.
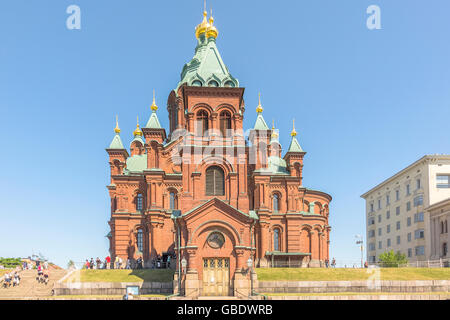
[147, 275]
[341, 274]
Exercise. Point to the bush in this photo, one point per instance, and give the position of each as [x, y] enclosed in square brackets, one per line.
[10, 263]
[390, 259]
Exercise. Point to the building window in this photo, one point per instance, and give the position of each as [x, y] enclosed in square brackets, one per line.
[140, 240]
[418, 183]
[397, 211]
[388, 228]
[408, 221]
[387, 200]
[388, 214]
[371, 246]
[371, 233]
[379, 204]
[379, 231]
[419, 234]
[444, 249]
[197, 83]
[275, 202]
[379, 218]
[213, 83]
[443, 181]
[407, 190]
[446, 229]
[276, 240]
[409, 253]
[202, 123]
[409, 237]
[380, 244]
[420, 250]
[418, 217]
[398, 225]
[418, 201]
[398, 239]
[397, 195]
[371, 207]
[388, 242]
[139, 202]
[173, 201]
[225, 123]
[371, 221]
[408, 206]
[215, 184]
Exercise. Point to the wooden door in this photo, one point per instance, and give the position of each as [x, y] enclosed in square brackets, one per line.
[216, 276]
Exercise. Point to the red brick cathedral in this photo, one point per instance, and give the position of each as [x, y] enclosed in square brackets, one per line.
[207, 196]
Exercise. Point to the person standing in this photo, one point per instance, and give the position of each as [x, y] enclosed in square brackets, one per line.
[128, 266]
[108, 262]
[99, 262]
[91, 263]
[333, 263]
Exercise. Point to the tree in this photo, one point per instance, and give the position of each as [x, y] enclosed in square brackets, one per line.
[70, 264]
[390, 259]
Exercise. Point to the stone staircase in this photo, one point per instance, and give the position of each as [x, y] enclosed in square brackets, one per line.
[29, 288]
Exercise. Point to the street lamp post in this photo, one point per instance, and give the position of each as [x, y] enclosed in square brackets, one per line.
[183, 267]
[250, 267]
[360, 243]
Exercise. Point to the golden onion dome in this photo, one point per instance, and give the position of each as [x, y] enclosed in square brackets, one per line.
[274, 132]
[203, 26]
[154, 107]
[293, 133]
[117, 129]
[138, 131]
[212, 30]
[259, 108]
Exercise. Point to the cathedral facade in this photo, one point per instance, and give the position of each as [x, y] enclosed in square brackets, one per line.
[206, 197]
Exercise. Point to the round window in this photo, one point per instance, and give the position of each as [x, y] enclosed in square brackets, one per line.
[216, 240]
[197, 83]
[213, 83]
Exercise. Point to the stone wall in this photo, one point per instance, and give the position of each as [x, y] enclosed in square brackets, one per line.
[111, 288]
[353, 286]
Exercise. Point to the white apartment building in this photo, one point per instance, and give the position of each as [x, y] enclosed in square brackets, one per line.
[395, 215]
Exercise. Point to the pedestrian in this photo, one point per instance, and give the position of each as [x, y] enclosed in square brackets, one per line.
[87, 264]
[108, 262]
[45, 265]
[117, 262]
[91, 263]
[99, 262]
[326, 262]
[333, 263]
[366, 265]
[128, 266]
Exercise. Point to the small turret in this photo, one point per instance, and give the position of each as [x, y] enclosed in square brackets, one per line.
[294, 155]
[117, 153]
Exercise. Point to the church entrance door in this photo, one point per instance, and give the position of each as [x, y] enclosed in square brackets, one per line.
[216, 276]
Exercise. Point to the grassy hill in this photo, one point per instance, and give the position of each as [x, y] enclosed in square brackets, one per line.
[341, 274]
[147, 275]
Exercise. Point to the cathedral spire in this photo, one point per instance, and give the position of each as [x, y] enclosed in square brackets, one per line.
[294, 146]
[153, 121]
[116, 143]
[260, 123]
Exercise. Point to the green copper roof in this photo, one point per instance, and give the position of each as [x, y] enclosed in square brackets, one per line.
[153, 122]
[277, 165]
[139, 139]
[207, 66]
[295, 146]
[116, 143]
[136, 163]
[260, 124]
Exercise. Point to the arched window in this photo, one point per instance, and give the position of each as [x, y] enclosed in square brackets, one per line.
[276, 202]
[140, 240]
[139, 202]
[213, 83]
[276, 240]
[229, 84]
[215, 184]
[225, 123]
[202, 122]
[197, 83]
[173, 205]
[442, 226]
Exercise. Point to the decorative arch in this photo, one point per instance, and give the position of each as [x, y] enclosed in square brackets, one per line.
[276, 201]
[199, 230]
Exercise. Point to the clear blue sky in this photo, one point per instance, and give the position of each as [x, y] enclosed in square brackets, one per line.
[366, 103]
